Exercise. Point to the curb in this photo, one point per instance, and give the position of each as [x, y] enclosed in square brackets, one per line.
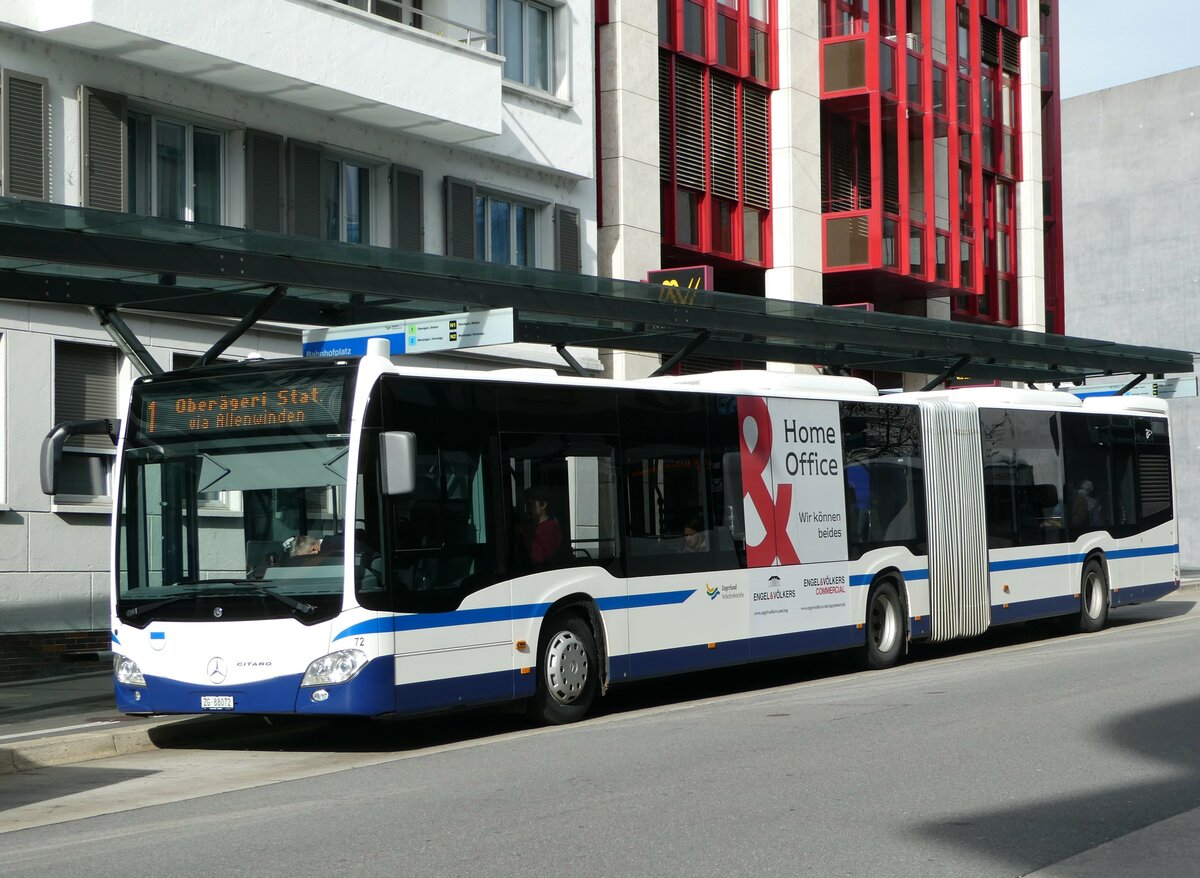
[161, 733]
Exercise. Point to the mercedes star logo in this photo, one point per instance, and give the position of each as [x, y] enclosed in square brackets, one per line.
[216, 669]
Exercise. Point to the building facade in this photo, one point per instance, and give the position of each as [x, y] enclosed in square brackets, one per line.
[900, 155]
[446, 127]
[1131, 261]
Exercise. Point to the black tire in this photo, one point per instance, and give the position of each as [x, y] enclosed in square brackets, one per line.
[884, 626]
[1093, 598]
[568, 671]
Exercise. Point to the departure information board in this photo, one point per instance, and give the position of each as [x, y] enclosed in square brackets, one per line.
[241, 404]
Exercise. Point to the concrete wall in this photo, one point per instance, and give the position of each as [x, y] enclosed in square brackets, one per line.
[1131, 186]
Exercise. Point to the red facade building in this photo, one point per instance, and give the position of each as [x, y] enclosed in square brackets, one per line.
[923, 184]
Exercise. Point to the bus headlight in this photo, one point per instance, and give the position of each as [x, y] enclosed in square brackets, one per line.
[337, 667]
[127, 672]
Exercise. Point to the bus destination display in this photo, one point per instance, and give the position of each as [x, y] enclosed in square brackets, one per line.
[210, 407]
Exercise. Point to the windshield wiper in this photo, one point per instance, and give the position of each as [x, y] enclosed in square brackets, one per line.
[299, 606]
[154, 605]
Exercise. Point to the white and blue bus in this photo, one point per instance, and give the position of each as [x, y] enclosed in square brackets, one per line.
[353, 537]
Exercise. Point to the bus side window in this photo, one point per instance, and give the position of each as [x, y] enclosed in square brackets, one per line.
[560, 492]
[884, 477]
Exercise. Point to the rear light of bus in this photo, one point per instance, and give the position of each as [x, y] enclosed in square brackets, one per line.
[337, 667]
[127, 672]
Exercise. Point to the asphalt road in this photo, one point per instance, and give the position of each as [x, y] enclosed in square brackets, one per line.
[1024, 752]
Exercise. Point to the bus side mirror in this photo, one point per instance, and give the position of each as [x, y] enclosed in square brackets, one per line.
[398, 462]
[52, 445]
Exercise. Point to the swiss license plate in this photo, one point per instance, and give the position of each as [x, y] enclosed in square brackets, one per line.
[216, 702]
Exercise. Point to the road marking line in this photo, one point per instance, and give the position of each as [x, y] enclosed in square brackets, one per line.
[107, 722]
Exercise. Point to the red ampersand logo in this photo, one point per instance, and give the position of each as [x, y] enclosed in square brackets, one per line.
[773, 512]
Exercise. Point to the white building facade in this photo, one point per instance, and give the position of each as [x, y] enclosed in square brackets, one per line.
[461, 127]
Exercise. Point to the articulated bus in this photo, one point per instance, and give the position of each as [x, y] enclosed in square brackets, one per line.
[352, 537]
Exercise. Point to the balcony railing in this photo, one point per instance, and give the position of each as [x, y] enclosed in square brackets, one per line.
[474, 36]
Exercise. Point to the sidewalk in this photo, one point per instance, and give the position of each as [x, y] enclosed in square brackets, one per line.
[65, 720]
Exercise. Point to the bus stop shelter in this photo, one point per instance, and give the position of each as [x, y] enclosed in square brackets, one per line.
[113, 262]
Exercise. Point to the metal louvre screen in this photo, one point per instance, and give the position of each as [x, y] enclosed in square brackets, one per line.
[723, 125]
[85, 388]
[689, 125]
[25, 137]
[959, 600]
[756, 145]
[408, 224]
[103, 131]
[665, 150]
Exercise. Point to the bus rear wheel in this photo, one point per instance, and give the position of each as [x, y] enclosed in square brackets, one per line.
[885, 626]
[1093, 598]
[568, 671]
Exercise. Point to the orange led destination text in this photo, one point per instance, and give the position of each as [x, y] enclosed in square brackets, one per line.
[242, 410]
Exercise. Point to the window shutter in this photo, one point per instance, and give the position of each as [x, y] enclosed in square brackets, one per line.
[756, 148]
[664, 117]
[304, 189]
[838, 180]
[85, 387]
[264, 182]
[989, 41]
[408, 214]
[1012, 52]
[102, 144]
[723, 125]
[26, 137]
[568, 254]
[460, 218]
[689, 125]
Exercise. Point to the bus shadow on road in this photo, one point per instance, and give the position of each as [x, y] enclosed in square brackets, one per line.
[34, 785]
[1032, 835]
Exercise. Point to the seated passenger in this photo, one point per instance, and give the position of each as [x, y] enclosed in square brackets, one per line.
[540, 532]
[304, 552]
[695, 537]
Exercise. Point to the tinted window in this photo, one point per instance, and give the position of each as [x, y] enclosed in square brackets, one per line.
[1022, 477]
[885, 489]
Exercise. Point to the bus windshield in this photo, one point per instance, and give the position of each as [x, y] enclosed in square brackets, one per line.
[260, 517]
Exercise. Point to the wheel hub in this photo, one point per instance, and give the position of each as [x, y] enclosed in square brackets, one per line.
[566, 667]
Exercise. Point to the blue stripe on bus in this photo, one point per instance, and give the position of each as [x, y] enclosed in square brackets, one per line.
[861, 579]
[1135, 594]
[1041, 608]
[1057, 560]
[424, 621]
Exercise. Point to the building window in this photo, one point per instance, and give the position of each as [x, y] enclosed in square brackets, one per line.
[345, 201]
[505, 230]
[85, 388]
[523, 32]
[174, 169]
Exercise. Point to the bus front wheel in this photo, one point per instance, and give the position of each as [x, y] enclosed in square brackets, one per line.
[1093, 598]
[568, 671]
[885, 626]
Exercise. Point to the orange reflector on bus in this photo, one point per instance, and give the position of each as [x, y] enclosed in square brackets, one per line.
[522, 645]
[915, 619]
[712, 646]
[859, 626]
[526, 670]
